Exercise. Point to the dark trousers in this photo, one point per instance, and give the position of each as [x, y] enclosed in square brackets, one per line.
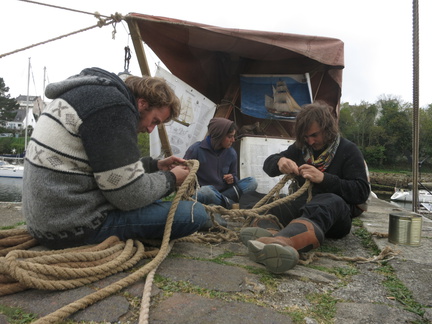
[329, 211]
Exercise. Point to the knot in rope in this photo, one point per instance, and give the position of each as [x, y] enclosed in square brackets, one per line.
[117, 17]
[112, 19]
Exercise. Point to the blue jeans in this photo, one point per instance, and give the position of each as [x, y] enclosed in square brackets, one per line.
[210, 195]
[149, 222]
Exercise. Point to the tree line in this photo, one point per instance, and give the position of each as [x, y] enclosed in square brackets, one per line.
[384, 131]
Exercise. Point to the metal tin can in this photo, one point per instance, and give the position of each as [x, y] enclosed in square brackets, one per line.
[405, 228]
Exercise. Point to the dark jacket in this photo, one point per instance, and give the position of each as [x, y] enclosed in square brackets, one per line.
[345, 176]
[213, 164]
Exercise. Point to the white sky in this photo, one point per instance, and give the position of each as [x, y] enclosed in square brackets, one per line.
[377, 36]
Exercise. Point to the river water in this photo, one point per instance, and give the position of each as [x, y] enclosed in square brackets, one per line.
[11, 189]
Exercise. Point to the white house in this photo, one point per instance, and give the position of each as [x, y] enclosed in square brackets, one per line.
[35, 105]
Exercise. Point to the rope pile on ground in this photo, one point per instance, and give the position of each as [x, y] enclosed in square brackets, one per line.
[15, 239]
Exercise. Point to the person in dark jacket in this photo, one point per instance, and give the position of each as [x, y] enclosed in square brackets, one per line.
[217, 173]
[84, 178]
[337, 172]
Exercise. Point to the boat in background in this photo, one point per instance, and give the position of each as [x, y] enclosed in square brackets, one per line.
[8, 170]
[424, 196]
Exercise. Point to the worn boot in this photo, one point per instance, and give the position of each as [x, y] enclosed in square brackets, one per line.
[260, 227]
[279, 252]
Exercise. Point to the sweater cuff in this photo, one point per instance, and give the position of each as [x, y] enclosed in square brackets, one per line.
[329, 181]
[172, 180]
[149, 164]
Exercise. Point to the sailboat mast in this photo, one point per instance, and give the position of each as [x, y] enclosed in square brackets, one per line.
[43, 89]
[27, 106]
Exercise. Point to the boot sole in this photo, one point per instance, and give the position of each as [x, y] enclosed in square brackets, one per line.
[252, 233]
[276, 258]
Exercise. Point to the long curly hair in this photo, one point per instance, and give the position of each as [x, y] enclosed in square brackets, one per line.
[321, 113]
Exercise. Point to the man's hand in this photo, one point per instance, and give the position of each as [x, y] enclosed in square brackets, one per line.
[228, 178]
[180, 172]
[169, 163]
[311, 173]
[288, 166]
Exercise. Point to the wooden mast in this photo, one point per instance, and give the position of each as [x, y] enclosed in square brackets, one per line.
[143, 63]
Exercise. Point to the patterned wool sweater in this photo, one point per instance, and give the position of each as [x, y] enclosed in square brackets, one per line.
[83, 160]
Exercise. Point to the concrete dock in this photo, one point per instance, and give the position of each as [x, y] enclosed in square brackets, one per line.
[217, 283]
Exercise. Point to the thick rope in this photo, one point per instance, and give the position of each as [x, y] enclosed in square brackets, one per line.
[15, 239]
[245, 216]
[145, 300]
[386, 254]
[82, 303]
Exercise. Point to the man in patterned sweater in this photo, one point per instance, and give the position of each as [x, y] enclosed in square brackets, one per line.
[84, 179]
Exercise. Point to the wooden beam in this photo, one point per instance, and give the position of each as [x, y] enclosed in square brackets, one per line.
[143, 64]
[228, 104]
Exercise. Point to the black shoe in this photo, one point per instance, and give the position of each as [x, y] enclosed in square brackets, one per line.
[227, 203]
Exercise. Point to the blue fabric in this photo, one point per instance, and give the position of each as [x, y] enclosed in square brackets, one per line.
[149, 222]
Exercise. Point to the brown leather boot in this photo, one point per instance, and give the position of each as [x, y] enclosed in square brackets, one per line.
[260, 227]
[279, 253]
[302, 234]
[253, 233]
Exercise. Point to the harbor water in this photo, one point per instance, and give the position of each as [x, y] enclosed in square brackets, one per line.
[11, 189]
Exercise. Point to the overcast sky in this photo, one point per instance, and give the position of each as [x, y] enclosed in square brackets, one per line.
[377, 36]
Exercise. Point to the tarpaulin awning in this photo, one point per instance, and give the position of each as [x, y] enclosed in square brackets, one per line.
[211, 59]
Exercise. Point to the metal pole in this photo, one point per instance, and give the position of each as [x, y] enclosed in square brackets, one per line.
[415, 148]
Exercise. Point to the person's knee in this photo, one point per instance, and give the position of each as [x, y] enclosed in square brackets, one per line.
[193, 212]
[253, 184]
[206, 193]
[248, 184]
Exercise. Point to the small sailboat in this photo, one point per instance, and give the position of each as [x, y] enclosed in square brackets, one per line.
[282, 103]
[8, 170]
[424, 195]
[186, 115]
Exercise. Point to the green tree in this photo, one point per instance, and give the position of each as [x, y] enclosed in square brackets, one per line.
[356, 122]
[8, 105]
[395, 119]
[144, 144]
[347, 124]
[425, 132]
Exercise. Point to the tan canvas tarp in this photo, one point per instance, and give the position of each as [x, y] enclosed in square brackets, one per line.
[211, 59]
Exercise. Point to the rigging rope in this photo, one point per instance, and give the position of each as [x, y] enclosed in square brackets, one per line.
[64, 8]
[112, 19]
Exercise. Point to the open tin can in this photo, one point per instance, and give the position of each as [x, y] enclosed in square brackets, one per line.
[405, 228]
